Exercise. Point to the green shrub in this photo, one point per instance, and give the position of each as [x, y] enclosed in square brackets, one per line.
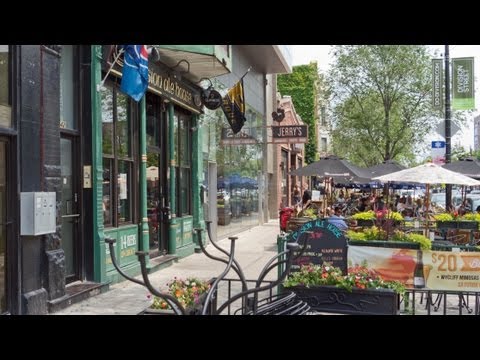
[356, 236]
[425, 243]
[443, 217]
[365, 215]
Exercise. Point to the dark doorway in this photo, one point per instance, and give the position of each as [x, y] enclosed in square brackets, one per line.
[70, 210]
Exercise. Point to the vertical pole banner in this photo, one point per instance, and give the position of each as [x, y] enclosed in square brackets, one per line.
[463, 89]
[437, 76]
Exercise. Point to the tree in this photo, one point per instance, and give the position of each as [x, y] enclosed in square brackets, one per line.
[303, 86]
[381, 101]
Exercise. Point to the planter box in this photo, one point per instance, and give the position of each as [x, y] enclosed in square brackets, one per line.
[362, 222]
[469, 225]
[358, 302]
[296, 222]
[189, 311]
[385, 244]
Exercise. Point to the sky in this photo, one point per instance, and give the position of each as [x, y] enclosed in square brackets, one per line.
[303, 54]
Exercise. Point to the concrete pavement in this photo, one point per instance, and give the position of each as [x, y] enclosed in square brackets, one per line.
[254, 248]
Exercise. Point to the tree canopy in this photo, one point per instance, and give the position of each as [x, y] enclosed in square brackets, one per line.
[381, 105]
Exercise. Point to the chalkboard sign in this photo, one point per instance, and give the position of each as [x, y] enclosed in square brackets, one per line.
[325, 243]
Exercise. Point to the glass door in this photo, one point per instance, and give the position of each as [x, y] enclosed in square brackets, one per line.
[70, 209]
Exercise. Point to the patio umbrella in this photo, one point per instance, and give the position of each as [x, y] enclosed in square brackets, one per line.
[387, 167]
[428, 174]
[468, 167]
[333, 166]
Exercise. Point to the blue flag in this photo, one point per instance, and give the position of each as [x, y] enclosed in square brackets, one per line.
[135, 71]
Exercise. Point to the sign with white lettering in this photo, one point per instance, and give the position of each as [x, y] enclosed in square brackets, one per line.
[245, 136]
[162, 81]
[437, 84]
[325, 242]
[290, 134]
[463, 90]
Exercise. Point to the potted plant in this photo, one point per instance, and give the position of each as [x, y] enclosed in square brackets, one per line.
[361, 291]
[375, 236]
[190, 292]
[449, 221]
[365, 218]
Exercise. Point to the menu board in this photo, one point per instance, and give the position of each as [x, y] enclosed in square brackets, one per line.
[325, 243]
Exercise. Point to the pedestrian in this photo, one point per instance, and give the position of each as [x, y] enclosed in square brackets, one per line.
[306, 199]
[296, 195]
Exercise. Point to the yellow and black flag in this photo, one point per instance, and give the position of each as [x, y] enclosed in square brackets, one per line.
[233, 106]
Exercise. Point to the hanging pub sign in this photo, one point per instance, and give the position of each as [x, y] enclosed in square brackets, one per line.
[290, 134]
[211, 98]
[246, 136]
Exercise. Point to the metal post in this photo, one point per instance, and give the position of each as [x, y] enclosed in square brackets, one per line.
[448, 135]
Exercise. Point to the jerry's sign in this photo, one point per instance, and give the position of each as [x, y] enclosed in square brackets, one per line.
[289, 133]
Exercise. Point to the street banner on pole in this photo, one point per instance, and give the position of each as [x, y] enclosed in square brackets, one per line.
[438, 152]
[437, 84]
[463, 90]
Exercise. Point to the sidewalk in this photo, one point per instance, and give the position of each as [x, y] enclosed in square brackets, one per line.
[254, 248]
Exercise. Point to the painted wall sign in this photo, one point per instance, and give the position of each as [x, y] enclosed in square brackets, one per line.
[326, 244]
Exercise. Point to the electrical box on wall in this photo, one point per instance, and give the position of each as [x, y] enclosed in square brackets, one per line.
[38, 213]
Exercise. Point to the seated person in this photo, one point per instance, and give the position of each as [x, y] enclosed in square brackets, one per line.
[306, 200]
[338, 220]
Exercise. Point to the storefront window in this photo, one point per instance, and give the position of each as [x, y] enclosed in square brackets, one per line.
[5, 95]
[238, 171]
[118, 159]
[182, 147]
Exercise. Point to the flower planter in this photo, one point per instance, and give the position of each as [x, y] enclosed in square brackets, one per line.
[296, 222]
[189, 311]
[333, 299]
[196, 309]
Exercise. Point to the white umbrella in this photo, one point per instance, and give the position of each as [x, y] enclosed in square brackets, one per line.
[428, 174]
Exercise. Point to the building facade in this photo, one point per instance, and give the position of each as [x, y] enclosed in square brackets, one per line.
[289, 154]
[238, 168]
[98, 164]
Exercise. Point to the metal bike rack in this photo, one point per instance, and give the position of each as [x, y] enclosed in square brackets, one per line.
[281, 304]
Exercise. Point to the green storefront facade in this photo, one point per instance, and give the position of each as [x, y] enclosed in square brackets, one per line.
[146, 168]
